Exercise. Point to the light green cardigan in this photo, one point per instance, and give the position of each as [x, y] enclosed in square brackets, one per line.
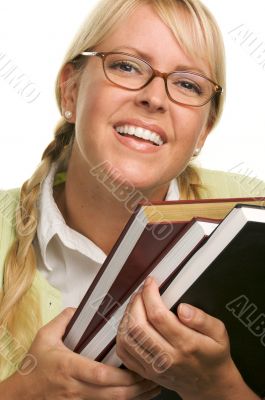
[217, 185]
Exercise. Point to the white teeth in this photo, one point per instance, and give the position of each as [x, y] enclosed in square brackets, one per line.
[141, 133]
[131, 130]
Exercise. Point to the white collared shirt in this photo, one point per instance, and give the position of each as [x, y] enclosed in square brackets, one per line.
[67, 259]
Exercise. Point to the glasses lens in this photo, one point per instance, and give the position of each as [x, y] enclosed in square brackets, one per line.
[126, 71]
[190, 89]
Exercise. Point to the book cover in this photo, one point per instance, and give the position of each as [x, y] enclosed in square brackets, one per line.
[232, 289]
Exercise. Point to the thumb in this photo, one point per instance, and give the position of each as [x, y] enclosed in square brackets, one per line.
[202, 322]
[57, 326]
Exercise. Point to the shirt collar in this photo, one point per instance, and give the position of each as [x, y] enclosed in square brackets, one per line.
[173, 191]
[52, 223]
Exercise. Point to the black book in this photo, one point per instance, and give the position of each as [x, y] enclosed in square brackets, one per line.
[226, 279]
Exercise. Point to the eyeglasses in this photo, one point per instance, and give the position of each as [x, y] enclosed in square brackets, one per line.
[133, 73]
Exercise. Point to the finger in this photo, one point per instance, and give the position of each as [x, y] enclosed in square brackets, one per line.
[132, 316]
[138, 391]
[150, 394]
[138, 330]
[140, 341]
[96, 373]
[55, 329]
[158, 315]
[130, 361]
[151, 355]
[202, 322]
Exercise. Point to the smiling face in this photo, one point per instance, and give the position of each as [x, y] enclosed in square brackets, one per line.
[103, 112]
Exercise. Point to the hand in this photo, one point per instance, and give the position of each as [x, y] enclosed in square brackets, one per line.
[61, 374]
[188, 354]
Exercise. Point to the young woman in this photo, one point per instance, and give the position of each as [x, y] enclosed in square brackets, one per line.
[139, 90]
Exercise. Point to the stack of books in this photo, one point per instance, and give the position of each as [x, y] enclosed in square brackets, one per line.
[209, 253]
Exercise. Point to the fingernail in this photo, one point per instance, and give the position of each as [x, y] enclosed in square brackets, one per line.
[185, 311]
[147, 281]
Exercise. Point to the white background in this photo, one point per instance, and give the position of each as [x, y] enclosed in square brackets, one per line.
[34, 35]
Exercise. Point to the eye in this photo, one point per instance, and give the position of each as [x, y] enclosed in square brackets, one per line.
[125, 66]
[189, 86]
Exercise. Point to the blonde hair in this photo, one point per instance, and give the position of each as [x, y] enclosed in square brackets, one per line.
[197, 32]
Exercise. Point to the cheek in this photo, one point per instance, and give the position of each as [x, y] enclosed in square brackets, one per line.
[97, 104]
[91, 111]
[189, 125]
[89, 103]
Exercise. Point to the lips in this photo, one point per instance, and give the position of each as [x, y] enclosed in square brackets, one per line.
[141, 133]
[146, 131]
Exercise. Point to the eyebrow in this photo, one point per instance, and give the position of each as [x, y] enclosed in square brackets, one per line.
[146, 57]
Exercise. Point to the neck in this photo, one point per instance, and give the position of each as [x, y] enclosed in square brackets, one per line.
[94, 210]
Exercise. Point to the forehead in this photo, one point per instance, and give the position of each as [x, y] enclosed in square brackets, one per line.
[143, 32]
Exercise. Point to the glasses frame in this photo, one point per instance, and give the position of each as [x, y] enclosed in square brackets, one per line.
[217, 89]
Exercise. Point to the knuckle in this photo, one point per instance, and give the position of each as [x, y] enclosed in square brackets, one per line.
[119, 351]
[187, 347]
[99, 374]
[71, 393]
[190, 348]
[222, 330]
[157, 316]
[200, 318]
[64, 366]
[42, 334]
[121, 340]
[162, 363]
[193, 348]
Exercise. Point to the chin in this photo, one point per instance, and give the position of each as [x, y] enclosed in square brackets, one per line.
[139, 180]
[131, 176]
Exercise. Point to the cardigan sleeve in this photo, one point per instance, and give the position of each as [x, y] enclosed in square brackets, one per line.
[219, 184]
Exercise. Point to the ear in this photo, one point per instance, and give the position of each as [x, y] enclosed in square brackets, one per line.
[68, 87]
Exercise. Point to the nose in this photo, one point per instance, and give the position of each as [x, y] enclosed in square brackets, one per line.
[153, 97]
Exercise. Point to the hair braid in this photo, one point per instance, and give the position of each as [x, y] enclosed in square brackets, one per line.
[190, 183]
[19, 303]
